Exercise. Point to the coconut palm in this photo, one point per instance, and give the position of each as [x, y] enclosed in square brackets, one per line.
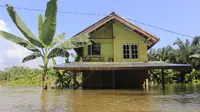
[184, 52]
[152, 55]
[162, 54]
[46, 46]
[186, 49]
[195, 56]
[197, 52]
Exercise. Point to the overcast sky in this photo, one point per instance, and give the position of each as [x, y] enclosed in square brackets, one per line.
[177, 15]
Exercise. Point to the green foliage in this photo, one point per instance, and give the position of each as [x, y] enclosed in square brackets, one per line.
[16, 76]
[170, 76]
[17, 40]
[45, 46]
[194, 76]
[64, 79]
[49, 25]
[186, 53]
[3, 75]
[22, 26]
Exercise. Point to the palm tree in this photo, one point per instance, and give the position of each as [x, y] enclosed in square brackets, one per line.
[46, 46]
[152, 55]
[186, 49]
[197, 49]
[162, 54]
[184, 52]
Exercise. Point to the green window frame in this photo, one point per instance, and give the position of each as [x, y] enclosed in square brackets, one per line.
[94, 49]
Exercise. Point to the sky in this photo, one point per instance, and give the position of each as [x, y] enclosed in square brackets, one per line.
[177, 15]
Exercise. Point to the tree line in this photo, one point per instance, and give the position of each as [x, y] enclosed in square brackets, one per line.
[182, 52]
[16, 75]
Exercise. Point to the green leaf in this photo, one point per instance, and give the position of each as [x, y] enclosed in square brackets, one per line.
[76, 58]
[195, 56]
[17, 40]
[54, 62]
[73, 55]
[75, 43]
[49, 26]
[40, 23]
[57, 39]
[22, 27]
[58, 52]
[31, 57]
[42, 67]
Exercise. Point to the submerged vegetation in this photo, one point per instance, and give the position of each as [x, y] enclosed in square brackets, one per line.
[186, 52]
[20, 76]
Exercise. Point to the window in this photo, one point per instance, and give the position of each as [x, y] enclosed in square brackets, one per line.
[130, 51]
[94, 49]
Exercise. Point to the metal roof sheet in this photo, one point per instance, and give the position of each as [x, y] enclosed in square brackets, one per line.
[119, 65]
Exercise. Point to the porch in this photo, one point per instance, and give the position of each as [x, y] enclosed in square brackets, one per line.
[116, 75]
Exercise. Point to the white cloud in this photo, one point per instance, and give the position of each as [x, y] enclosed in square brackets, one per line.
[3, 25]
[12, 54]
[17, 52]
[1, 59]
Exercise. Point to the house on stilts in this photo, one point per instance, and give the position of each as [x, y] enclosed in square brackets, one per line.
[118, 58]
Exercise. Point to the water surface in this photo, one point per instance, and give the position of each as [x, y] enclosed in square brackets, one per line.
[175, 98]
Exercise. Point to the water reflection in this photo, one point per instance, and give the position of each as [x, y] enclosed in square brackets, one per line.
[43, 101]
[175, 98]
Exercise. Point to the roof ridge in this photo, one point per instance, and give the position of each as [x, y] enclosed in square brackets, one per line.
[135, 25]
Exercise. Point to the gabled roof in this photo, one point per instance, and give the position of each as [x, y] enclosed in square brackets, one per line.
[151, 39]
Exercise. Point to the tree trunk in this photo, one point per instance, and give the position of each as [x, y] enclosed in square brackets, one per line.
[44, 84]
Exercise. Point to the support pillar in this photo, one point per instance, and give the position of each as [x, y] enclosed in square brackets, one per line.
[113, 79]
[74, 79]
[163, 78]
[147, 83]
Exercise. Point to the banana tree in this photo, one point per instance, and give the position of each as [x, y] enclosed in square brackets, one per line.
[46, 46]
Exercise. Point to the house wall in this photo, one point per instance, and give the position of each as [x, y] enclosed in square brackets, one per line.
[123, 35]
[103, 35]
[112, 36]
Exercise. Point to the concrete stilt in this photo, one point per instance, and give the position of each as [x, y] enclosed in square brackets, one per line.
[147, 83]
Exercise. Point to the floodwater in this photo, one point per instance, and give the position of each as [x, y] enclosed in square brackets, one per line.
[175, 98]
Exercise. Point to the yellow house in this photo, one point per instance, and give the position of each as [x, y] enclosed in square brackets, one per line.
[118, 57]
[116, 39]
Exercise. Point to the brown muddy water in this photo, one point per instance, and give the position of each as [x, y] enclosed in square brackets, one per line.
[175, 98]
